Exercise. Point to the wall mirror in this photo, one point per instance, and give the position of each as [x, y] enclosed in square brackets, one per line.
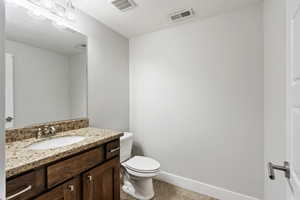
[46, 70]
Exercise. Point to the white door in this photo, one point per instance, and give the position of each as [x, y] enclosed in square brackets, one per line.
[293, 98]
[9, 90]
[282, 143]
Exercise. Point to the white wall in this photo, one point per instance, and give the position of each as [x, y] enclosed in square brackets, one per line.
[275, 93]
[108, 75]
[78, 85]
[41, 87]
[196, 99]
[2, 103]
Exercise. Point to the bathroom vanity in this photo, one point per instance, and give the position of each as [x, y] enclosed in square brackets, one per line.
[49, 156]
[86, 170]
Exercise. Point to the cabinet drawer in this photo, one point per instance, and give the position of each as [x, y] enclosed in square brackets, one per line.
[112, 149]
[70, 190]
[26, 186]
[63, 170]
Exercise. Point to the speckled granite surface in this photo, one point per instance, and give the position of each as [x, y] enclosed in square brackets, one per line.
[20, 159]
[16, 134]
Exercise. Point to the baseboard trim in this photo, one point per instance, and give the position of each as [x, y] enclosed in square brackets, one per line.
[202, 188]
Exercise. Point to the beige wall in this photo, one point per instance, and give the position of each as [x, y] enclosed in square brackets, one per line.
[196, 99]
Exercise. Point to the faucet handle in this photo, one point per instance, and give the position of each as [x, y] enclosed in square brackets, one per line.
[46, 130]
[39, 133]
[52, 130]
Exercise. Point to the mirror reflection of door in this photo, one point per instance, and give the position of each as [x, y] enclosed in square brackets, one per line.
[9, 92]
[46, 71]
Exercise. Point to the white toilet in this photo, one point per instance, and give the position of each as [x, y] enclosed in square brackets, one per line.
[139, 171]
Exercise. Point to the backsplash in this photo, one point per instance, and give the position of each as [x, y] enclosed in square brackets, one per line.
[17, 134]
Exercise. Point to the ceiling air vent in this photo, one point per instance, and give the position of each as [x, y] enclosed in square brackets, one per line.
[123, 5]
[181, 15]
[80, 46]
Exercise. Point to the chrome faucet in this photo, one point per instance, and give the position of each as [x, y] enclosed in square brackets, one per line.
[46, 131]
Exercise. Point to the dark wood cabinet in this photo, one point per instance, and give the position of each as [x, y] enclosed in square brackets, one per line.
[66, 169]
[93, 174]
[70, 190]
[26, 186]
[102, 182]
[112, 149]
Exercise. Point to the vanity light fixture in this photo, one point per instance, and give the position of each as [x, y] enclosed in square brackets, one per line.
[47, 3]
[62, 8]
[59, 25]
[60, 12]
[70, 11]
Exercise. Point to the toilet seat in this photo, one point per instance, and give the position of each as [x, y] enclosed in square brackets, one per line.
[142, 165]
[134, 174]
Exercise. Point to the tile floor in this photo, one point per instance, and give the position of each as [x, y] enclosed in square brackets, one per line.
[165, 191]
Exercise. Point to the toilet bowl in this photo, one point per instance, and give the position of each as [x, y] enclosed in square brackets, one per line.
[138, 171]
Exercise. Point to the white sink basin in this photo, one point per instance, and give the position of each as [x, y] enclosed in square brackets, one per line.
[56, 142]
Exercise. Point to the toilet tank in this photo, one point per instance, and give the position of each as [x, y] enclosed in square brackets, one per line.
[126, 146]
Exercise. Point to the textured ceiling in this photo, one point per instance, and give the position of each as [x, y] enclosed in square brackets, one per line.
[152, 15]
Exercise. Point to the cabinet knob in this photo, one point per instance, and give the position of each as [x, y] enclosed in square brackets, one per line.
[90, 178]
[71, 188]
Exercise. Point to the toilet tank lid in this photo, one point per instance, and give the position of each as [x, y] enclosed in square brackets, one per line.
[126, 135]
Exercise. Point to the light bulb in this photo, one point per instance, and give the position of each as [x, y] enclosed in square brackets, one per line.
[59, 25]
[70, 11]
[70, 15]
[48, 4]
[35, 1]
[60, 10]
[37, 13]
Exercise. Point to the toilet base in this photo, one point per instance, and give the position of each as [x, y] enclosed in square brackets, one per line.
[139, 188]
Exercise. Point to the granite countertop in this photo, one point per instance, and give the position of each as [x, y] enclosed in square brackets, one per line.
[21, 159]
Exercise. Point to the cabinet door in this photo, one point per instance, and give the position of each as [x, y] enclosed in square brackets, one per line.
[103, 182]
[67, 191]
